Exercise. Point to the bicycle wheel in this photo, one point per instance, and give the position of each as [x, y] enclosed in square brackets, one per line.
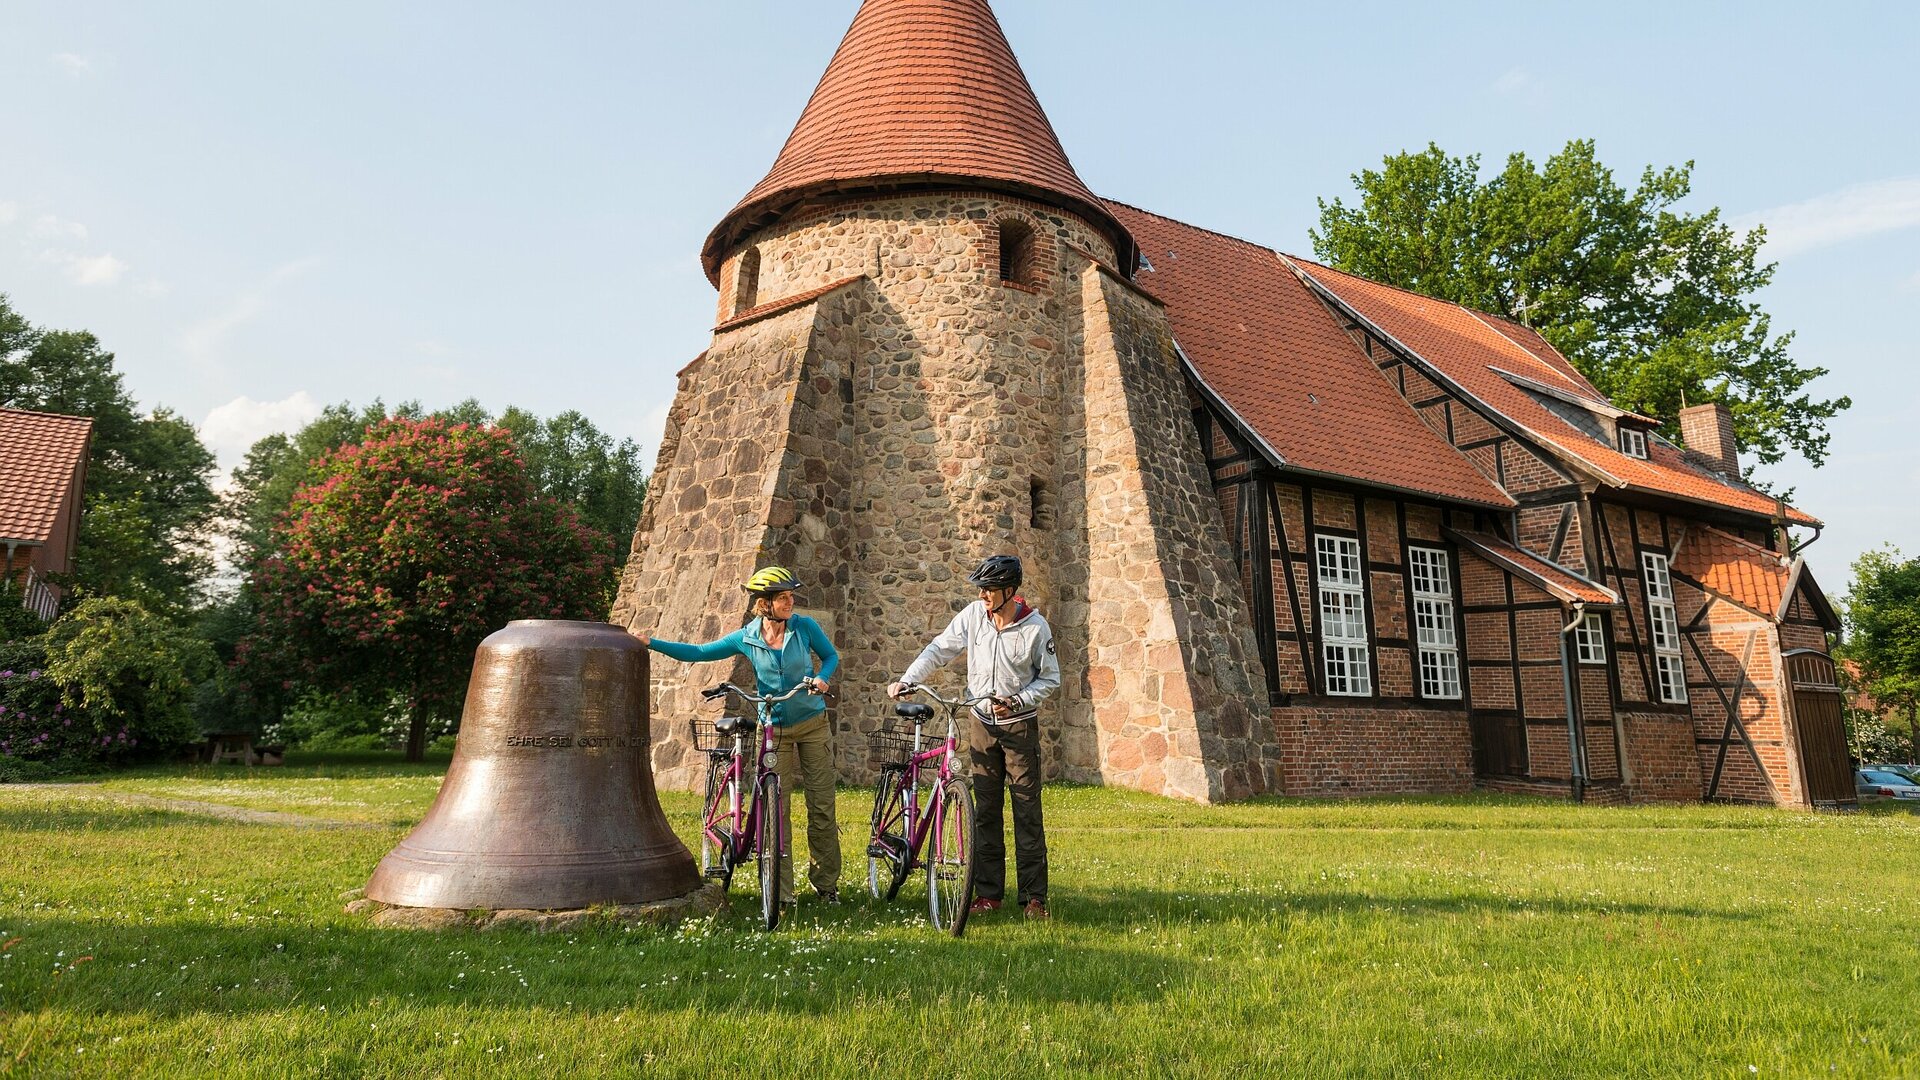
[950, 858]
[772, 837]
[717, 826]
[886, 843]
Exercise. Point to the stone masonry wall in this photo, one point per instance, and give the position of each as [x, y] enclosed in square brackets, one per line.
[883, 437]
[1172, 668]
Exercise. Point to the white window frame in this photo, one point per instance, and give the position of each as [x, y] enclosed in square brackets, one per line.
[1590, 639]
[1340, 579]
[1663, 625]
[1633, 443]
[1436, 630]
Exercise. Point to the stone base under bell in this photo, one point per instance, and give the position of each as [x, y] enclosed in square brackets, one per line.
[709, 899]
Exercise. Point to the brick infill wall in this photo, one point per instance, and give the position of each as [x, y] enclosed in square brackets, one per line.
[1335, 751]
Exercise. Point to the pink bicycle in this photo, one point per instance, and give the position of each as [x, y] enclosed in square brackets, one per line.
[740, 824]
[903, 829]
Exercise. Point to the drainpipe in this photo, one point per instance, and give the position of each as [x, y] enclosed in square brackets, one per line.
[1576, 751]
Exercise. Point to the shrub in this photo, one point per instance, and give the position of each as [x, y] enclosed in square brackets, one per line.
[126, 678]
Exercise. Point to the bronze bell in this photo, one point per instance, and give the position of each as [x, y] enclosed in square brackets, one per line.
[549, 803]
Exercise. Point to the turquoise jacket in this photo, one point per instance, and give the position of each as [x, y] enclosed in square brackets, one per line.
[776, 671]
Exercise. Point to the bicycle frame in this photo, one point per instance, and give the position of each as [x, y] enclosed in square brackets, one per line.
[916, 825]
[749, 824]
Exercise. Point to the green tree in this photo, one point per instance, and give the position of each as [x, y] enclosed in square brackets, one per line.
[402, 553]
[1883, 634]
[149, 498]
[570, 459]
[1654, 305]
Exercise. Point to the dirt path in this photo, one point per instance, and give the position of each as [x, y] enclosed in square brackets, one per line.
[193, 806]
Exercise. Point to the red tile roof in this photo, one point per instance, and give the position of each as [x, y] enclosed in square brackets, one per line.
[1273, 354]
[1551, 576]
[40, 454]
[1467, 347]
[1729, 567]
[921, 93]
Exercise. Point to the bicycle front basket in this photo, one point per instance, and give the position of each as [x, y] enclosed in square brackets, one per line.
[894, 746]
[709, 740]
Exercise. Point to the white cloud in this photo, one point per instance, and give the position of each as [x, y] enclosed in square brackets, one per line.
[202, 339]
[74, 64]
[87, 270]
[49, 227]
[433, 347]
[1838, 216]
[1516, 81]
[231, 429]
[8, 212]
[152, 287]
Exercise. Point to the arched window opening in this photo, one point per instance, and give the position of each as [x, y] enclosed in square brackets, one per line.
[1016, 252]
[746, 281]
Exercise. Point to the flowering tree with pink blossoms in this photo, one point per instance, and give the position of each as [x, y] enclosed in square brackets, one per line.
[404, 552]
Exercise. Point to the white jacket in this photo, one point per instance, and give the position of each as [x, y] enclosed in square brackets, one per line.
[1016, 663]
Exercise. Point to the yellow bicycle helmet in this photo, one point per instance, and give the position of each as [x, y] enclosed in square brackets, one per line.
[770, 580]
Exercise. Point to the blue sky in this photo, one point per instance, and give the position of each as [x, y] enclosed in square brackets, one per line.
[263, 207]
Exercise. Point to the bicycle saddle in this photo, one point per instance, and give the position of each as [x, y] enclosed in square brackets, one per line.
[727, 725]
[913, 711]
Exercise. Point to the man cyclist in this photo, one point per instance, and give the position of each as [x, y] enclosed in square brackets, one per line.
[1009, 650]
[783, 647]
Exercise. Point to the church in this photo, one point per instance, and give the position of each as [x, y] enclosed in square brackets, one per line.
[1297, 532]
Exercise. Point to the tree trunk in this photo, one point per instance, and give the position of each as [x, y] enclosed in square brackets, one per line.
[417, 732]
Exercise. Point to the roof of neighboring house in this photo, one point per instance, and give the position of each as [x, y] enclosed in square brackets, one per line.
[40, 455]
[1477, 353]
[921, 93]
[1746, 574]
[1272, 353]
[1554, 578]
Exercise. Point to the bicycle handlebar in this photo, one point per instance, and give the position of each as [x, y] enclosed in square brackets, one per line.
[966, 703]
[713, 693]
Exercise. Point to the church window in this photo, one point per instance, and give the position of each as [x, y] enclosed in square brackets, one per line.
[746, 281]
[1439, 639]
[1016, 252]
[1665, 624]
[1343, 615]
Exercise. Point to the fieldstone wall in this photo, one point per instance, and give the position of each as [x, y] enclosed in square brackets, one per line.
[1172, 668]
[887, 413]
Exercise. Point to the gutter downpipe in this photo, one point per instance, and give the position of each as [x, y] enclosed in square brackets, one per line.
[1576, 753]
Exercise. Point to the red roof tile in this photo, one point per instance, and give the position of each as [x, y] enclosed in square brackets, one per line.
[1467, 347]
[921, 93]
[1551, 576]
[40, 453]
[1744, 573]
[1273, 354]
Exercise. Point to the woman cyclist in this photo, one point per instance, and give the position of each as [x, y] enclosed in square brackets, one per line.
[783, 647]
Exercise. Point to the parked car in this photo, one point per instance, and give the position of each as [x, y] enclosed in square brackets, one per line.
[1911, 772]
[1875, 784]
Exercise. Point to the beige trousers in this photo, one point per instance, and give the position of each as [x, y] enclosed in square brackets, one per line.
[806, 762]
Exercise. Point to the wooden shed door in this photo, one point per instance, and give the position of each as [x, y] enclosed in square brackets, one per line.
[1823, 732]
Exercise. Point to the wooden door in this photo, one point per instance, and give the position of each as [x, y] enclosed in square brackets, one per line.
[1822, 729]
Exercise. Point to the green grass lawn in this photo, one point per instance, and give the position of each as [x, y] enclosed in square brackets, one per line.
[1484, 936]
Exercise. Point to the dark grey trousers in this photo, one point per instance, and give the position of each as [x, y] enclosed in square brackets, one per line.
[1006, 761]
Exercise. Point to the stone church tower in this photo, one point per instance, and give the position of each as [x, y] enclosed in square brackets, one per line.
[929, 349]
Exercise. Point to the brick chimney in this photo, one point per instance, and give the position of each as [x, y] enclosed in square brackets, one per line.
[1708, 431]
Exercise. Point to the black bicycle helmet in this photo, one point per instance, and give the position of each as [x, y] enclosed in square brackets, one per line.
[997, 572]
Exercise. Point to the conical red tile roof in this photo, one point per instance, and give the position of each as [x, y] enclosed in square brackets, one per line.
[921, 93]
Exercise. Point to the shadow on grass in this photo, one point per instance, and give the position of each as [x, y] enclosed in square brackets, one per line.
[823, 967]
